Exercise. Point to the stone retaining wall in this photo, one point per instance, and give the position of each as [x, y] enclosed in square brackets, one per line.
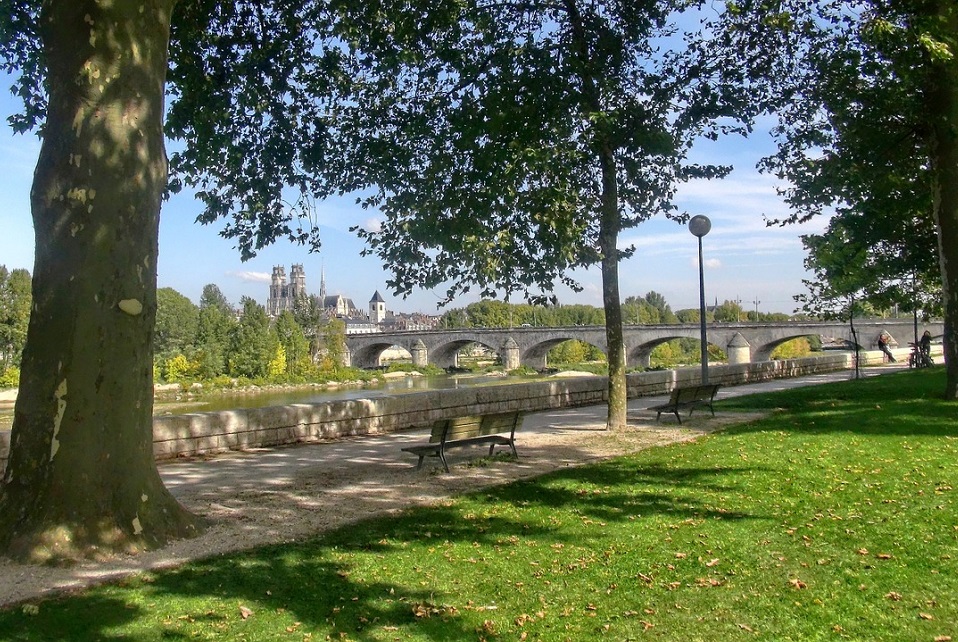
[212, 432]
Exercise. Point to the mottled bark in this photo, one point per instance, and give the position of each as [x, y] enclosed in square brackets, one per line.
[81, 478]
[942, 102]
[608, 241]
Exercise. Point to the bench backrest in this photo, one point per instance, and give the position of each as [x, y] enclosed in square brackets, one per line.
[474, 426]
[704, 392]
[501, 422]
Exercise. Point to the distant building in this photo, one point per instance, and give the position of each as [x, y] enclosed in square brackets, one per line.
[377, 308]
[414, 321]
[283, 295]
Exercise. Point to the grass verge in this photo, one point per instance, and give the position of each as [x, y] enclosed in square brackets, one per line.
[832, 519]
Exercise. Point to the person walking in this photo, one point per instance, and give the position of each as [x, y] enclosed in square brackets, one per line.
[883, 346]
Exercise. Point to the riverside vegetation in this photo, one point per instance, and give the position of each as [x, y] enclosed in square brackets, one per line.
[216, 346]
[832, 518]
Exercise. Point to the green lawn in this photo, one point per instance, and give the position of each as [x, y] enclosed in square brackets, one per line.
[833, 519]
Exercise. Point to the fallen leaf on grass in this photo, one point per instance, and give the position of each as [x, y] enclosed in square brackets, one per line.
[926, 616]
[245, 612]
[797, 583]
[894, 596]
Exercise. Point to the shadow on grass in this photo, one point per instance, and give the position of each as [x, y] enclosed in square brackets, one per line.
[316, 589]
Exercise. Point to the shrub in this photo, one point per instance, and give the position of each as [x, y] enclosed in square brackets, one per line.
[10, 378]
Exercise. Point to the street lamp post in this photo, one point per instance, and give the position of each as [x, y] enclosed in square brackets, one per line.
[699, 226]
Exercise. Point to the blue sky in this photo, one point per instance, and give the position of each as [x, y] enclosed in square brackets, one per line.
[744, 259]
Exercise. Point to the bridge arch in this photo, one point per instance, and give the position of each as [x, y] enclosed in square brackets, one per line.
[536, 355]
[370, 354]
[446, 354]
[640, 354]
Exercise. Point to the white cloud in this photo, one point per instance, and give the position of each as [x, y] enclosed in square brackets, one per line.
[251, 277]
[372, 225]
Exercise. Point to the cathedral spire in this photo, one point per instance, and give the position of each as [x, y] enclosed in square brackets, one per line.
[322, 283]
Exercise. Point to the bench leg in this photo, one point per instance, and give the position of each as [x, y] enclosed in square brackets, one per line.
[512, 445]
[442, 456]
[677, 415]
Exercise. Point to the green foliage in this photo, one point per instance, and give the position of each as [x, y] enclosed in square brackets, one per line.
[728, 312]
[296, 351]
[574, 352]
[793, 349]
[252, 343]
[10, 377]
[428, 370]
[823, 520]
[177, 324]
[179, 369]
[215, 324]
[277, 365]
[15, 303]
[332, 347]
[647, 310]
[500, 314]
[858, 143]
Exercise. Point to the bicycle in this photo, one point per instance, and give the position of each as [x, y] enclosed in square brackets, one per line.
[918, 357]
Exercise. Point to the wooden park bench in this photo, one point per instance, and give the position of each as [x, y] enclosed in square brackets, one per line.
[690, 397]
[469, 431]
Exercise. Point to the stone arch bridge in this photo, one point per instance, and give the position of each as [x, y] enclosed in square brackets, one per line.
[528, 346]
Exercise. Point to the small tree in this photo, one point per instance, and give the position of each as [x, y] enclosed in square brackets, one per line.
[15, 303]
[252, 344]
[295, 346]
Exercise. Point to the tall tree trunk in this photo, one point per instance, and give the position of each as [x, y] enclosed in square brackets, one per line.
[610, 223]
[81, 478]
[608, 240]
[943, 108]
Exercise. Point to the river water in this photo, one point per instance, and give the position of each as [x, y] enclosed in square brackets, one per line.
[285, 396]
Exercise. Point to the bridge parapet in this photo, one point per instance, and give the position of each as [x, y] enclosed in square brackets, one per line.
[529, 346]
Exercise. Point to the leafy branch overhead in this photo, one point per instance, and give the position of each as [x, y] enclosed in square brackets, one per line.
[481, 138]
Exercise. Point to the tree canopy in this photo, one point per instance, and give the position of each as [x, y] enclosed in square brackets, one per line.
[508, 143]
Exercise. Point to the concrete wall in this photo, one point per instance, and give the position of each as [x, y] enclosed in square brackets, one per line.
[212, 432]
